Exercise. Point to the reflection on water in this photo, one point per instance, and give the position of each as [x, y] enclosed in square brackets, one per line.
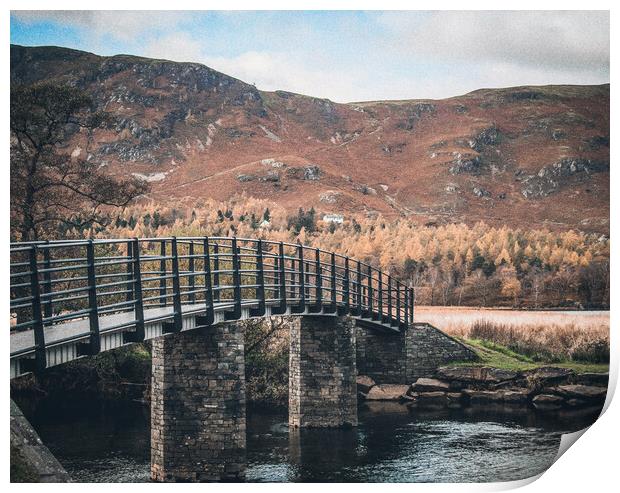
[391, 444]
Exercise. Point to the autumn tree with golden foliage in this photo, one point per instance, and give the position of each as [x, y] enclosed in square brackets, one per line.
[455, 264]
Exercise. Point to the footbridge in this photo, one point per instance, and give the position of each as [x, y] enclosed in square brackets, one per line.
[77, 298]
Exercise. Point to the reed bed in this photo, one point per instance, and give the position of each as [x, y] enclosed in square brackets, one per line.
[550, 337]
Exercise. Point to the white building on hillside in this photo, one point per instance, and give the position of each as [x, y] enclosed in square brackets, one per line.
[333, 218]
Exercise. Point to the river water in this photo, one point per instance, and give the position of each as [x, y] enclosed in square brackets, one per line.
[391, 444]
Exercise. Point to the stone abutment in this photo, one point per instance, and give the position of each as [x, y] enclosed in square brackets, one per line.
[405, 356]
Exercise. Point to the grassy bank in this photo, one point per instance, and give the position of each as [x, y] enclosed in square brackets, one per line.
[498, 356]
[542, 342]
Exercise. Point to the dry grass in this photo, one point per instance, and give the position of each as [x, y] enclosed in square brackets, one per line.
[544, 336]
[548, 343]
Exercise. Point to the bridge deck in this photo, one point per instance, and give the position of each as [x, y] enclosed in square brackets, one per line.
[56, 286]
[61, 339]
[76, 329]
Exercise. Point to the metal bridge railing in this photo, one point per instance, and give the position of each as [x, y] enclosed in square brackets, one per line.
[58, 282]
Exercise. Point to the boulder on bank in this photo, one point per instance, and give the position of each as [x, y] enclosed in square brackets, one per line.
[515, 396]
[430, 399]
[596, 379]
[547, 402]
[364, 383]
[483, 396]
[387, 392]
[435, 399]
[476, 375]
[546, 375]
[430, 385]
[508, 397]
[581, 392]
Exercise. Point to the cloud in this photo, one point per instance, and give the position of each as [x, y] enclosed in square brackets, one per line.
[565, 40]
[123, 25]
[275, 70]
[314, 75]
[180, 47]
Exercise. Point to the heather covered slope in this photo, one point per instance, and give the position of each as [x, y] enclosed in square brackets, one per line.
[524, 156]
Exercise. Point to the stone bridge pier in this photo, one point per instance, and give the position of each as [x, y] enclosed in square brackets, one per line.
[322, 372]
[198, 405]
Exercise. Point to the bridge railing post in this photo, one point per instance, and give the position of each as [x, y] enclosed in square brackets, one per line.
[191, 278]
[177, 323]
[260, 281]
[129, 271]
[93, 311]
[411, 304]
[37, 316]
[319, 279]
[358, 288]
[370, 293]
[346, 285]
[389, 298]
[380, 295]
[333, 281]
[399, 319]
[281, 281]
[162, 274]
[216, 272]
[293, 277]
[302, 279]
[275, 281]
[236, 277]
[136, 287]
[47, 284]
[308, 284]
[209, 317]
[406, 305]
[137, 276]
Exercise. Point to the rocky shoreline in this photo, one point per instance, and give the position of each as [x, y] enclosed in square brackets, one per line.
[543, 389]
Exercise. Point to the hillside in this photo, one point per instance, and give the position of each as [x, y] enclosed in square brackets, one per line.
[522, 156]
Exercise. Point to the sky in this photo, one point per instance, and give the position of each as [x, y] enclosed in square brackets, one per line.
[348, 55]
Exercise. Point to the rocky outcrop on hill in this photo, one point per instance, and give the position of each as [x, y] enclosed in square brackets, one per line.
[552, 177]
[415, 113]
[487, 137]
[465, 163]
[481, 193]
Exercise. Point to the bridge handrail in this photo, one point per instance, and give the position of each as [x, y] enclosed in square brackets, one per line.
[63, 280]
